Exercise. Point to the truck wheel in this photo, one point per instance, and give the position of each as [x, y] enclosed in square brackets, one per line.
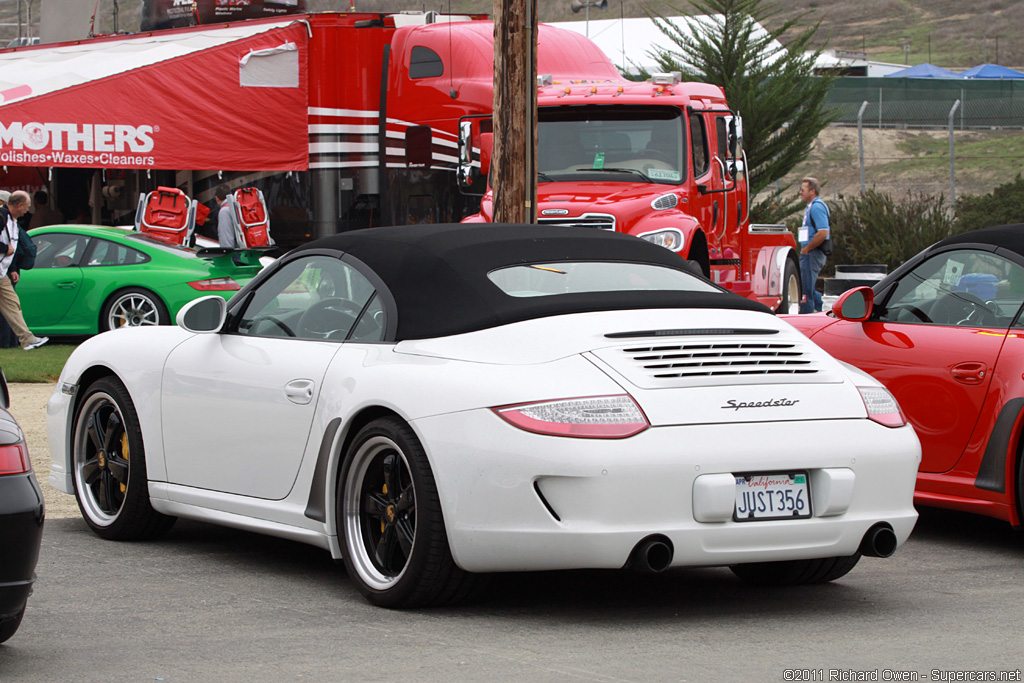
[795, 572]
[693, 267]
[790, 289]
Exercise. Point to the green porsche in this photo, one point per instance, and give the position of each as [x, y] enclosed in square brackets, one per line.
[89, 279]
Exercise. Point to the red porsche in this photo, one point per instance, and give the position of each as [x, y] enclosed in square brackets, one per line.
[944, 333]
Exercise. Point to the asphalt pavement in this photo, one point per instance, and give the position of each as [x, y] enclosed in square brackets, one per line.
[207, 603]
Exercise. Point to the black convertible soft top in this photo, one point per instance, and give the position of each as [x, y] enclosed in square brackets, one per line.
[1007, 236]
[438, 273]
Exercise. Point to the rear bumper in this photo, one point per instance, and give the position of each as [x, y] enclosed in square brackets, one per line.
[21, 533]
[517, 501]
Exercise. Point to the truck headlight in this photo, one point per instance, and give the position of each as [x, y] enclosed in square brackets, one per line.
[670, 238]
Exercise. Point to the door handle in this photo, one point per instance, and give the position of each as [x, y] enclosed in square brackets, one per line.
[971, 372]
[66, 284]
[299, 391]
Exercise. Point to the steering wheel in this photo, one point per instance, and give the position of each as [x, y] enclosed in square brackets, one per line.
[908, 308]
[255, 322]
[657, 155]
[967, 309]
[322, 319]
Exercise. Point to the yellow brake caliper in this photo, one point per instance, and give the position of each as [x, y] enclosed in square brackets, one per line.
[384, 490]
[124, 454]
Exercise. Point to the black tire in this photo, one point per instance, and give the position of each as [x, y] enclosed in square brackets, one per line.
[790, 289]
[8, 627]
[693, 267]
[796, 572]
[109, 466]
[389, 519]
[133, 307]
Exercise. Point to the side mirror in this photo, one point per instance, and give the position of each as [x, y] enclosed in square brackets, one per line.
[735, 137]
[204, 315]
[474, 132]
[855, 305]
[737, 169]
[486, 150]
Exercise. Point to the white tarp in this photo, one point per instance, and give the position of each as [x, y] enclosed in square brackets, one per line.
[39, 71]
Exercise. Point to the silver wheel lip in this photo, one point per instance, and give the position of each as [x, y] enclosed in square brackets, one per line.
[84, 493]
[352, 512]
[793, 295]
[133, 310]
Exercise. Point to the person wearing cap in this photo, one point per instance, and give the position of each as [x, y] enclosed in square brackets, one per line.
[4, 197]
[18, 204]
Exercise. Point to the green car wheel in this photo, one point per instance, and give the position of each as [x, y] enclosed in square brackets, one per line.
[133, 308]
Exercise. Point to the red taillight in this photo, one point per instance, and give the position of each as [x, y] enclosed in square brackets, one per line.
[14, 459]
[217, 284]
[882, 407]
[596, 417]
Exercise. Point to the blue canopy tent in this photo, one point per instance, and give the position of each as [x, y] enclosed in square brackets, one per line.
[992, 71]
[925, 70]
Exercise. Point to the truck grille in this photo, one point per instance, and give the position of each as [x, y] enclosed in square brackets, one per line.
[601, 221]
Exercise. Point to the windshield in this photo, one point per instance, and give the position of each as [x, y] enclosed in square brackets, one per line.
[620, 143]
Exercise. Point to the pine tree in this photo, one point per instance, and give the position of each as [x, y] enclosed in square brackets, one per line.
[773, 87]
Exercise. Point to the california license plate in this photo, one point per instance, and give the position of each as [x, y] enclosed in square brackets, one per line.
[782, 495]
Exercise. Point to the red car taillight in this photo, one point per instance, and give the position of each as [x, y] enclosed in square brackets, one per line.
[595, 417]
[217, 284]
[14, 459]
[882, 407]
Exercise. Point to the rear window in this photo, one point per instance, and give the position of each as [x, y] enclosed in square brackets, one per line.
[546, 279]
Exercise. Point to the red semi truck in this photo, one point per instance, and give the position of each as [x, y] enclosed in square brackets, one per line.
[661, 160]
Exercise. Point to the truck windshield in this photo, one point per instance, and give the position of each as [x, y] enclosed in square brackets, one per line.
[618, 143]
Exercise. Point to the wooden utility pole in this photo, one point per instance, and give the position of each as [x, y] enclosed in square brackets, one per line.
[513, 164]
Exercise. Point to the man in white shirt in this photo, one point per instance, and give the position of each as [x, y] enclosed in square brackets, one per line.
[10, 305]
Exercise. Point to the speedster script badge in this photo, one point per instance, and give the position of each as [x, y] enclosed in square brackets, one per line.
[770, 403]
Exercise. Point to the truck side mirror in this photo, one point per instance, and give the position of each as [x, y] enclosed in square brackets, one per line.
[735, 137]
[474, 131]
[486, 150]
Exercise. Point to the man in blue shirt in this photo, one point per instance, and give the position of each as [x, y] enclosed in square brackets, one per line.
[813, 232]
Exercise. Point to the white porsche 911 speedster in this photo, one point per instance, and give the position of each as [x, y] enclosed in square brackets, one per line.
[434, 403]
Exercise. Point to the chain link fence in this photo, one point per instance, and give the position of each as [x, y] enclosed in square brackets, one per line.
[919, 137]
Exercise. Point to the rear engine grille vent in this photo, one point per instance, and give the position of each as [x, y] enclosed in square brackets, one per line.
[600, 221]
[722, 359]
